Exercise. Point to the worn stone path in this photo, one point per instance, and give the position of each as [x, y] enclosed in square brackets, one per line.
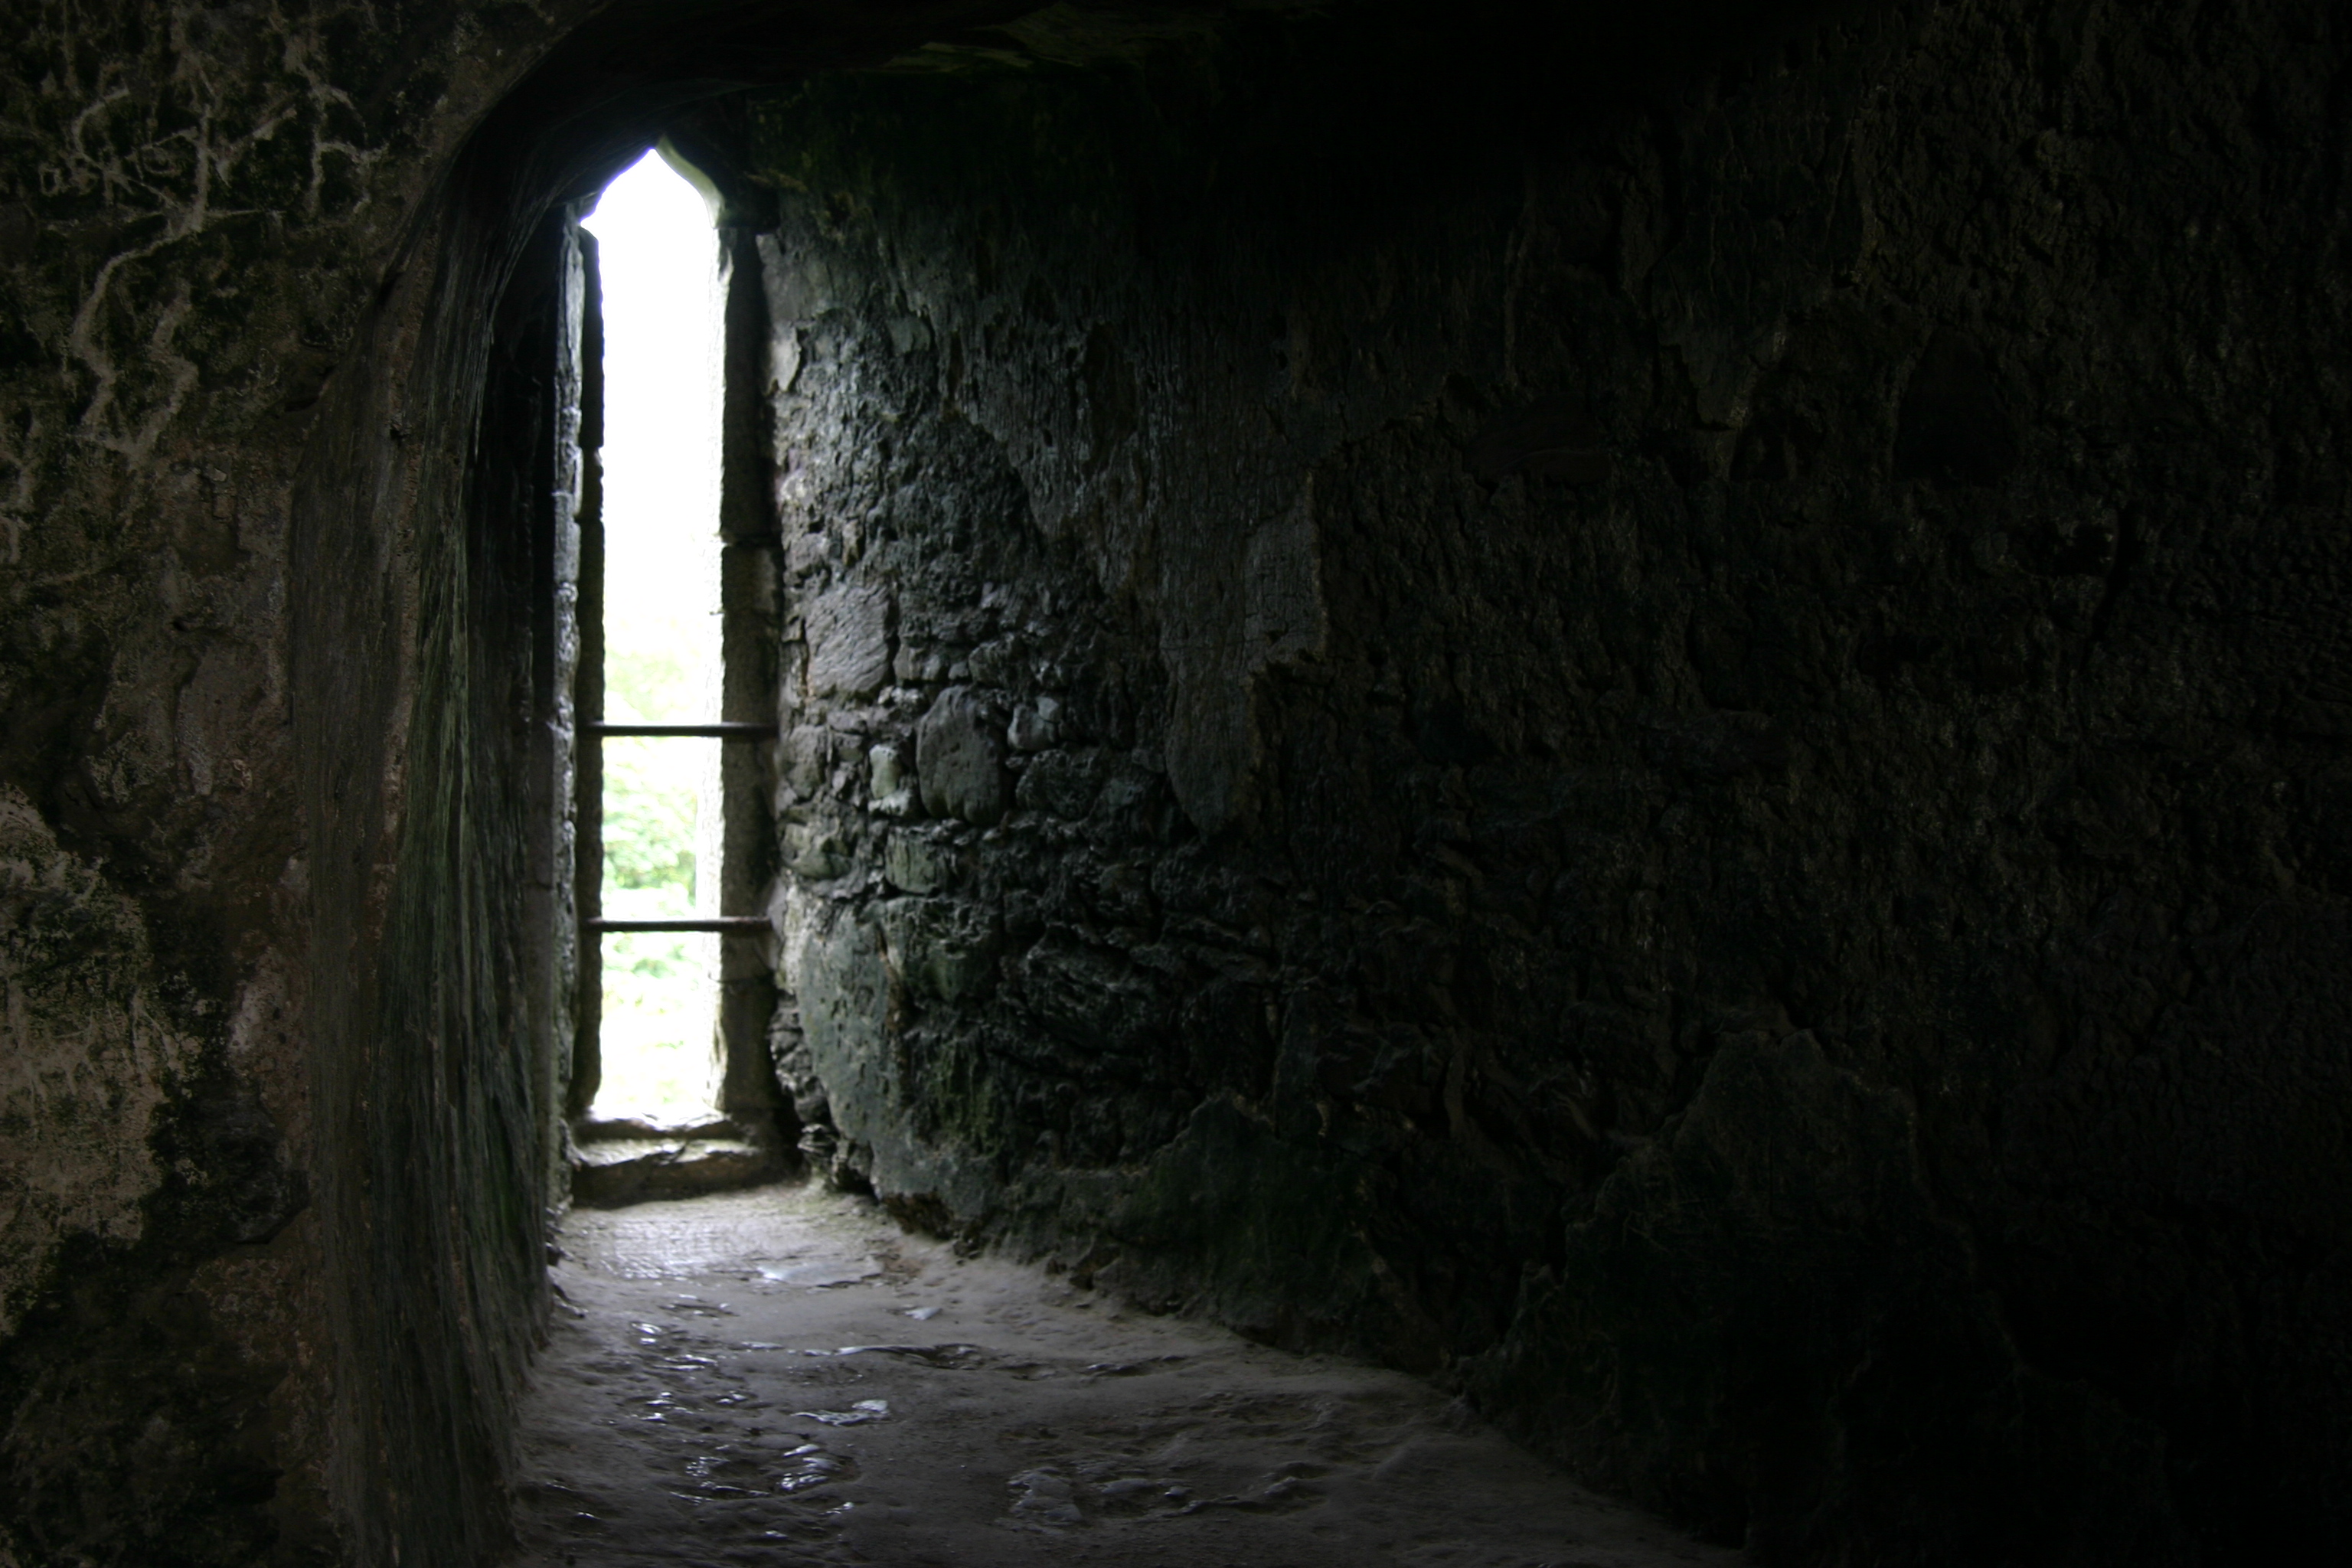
[782, 1376]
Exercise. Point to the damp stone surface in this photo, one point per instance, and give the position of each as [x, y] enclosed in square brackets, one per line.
[783, 1374]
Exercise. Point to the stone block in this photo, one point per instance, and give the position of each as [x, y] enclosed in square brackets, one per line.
[890, 782]
[1089, 997]
[849, 629]
[806, 751]
[816, 850]
[1035, 725]
[1064, 783]
[960, 761]
[939, 948]
[917, 864]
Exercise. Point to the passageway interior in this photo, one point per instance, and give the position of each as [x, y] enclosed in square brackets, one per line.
[1620, 730]
[1341, 649]
[782, 1371]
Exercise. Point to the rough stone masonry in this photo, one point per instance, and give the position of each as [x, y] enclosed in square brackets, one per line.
[1650, 714]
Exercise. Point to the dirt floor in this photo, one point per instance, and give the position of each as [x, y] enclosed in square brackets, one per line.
[783, 1376]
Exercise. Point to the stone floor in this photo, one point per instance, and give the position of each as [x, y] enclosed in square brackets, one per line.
[782, 1376]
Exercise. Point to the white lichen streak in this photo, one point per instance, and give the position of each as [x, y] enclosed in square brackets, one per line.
[168, 185]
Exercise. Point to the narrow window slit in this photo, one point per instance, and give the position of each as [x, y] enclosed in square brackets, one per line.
[659, 738]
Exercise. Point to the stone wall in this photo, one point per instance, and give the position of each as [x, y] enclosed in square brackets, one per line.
[280, 717]
[1668, 738]
[1664, 708]
[205, 215]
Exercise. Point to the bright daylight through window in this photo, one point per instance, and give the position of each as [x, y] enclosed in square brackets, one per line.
[660, 262]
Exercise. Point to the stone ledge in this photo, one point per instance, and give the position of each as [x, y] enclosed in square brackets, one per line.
[615, 1164]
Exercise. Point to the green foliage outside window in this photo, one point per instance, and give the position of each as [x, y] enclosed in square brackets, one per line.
[657, 1005]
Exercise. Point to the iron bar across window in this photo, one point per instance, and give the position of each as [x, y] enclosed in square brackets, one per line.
[727, 925]
[729, 730]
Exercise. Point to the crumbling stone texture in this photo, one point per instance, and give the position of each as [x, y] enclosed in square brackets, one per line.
[1652, 714]
[1662, 744]
[212, 292]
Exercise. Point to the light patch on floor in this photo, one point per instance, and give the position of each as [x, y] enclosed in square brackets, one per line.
[781, 1376]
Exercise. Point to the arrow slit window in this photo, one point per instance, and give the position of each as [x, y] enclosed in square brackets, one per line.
[652, 808]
